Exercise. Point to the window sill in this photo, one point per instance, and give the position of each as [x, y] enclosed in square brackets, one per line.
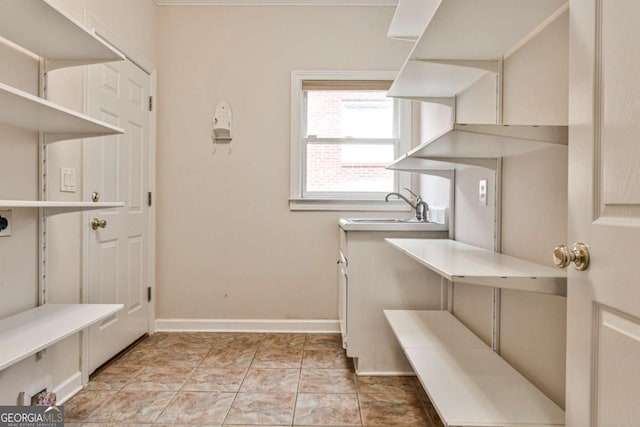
[347, 205]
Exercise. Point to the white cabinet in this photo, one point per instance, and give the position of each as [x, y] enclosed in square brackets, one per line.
[373, 277]
[60, 41]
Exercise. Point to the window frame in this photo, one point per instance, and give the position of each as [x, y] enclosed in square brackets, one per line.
[299, 199]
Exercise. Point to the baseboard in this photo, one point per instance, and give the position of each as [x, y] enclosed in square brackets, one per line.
[385, 374]
[68, 388]
[247, 325]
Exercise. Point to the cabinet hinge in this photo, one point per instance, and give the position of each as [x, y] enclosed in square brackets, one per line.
[149, 294]
[149, 198]
[151, 103]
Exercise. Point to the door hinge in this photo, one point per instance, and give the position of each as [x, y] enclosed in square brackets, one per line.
[149, 294]
[149, 198]
[151, 103]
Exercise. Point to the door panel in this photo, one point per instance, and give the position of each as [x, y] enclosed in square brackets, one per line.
[603, 309]
[117, 168]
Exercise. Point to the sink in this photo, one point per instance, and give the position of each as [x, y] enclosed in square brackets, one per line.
[385, 220]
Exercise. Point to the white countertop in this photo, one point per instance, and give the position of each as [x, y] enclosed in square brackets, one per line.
[380, 224]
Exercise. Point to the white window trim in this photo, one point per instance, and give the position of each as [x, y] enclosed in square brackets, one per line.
[296, 199]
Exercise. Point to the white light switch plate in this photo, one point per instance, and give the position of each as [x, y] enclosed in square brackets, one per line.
[482, 192]
[67, 180]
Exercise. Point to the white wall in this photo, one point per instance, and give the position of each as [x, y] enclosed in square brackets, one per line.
[133, 21]
[534, 201]
[228, 246]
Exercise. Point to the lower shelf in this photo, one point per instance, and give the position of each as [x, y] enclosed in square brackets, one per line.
[29, 332]
[468, 383]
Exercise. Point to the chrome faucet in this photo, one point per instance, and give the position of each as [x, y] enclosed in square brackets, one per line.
[421, 207]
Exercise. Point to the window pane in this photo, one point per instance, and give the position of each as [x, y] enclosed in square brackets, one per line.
[349, 113]
[349, 168]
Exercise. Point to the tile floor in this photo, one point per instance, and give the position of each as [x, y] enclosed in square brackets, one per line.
[245, 379]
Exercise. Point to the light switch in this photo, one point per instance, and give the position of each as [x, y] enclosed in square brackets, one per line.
[67, 180]
[482, 192]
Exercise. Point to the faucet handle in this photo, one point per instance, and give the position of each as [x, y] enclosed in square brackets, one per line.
[418, 198]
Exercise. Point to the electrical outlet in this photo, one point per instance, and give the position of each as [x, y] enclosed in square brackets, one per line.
[5, 223]
[482, 192]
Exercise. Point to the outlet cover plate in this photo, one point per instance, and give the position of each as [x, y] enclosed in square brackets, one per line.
[7, 231]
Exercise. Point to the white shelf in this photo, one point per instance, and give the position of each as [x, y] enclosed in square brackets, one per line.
[482, 30]
[33, 330]
[410, 19]
[468, 384]
[480, 145]
[422, 80]
[462, 263]
[55, 208]
[21, 109]
[45, 30]
[463, 40]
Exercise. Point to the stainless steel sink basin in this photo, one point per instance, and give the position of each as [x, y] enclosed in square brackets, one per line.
[384, 220]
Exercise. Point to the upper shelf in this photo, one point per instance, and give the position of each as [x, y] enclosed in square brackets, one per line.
[55, 208]
[421, 79]
[33, 330]
[480, 145]
[482, 30]
[21, 109]
[45, 30]
[462, 263]
[462, 41]
[410, 19]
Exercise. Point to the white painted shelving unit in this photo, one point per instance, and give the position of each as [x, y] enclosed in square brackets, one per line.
[480, 145]
[462, 263]
[410, 19]
[33, 330]
[48, 32]
[468, 384]
[23, 110]
[55, 208]
[60, 41]
[461, 34]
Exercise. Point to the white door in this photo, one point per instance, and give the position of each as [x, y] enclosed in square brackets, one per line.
[603, 302]
[117, 168]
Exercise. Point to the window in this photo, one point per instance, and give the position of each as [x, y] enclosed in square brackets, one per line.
[345, 132]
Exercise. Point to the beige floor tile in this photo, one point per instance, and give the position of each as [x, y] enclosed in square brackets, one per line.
[114, 377]
[83, 404]
[283, 341]
[229, 358]
[375, 384]
[277, 358]
[159, 379]
[170, 358]
[323, 342]
[391, 409]
[271, 381]
[262, 408]
[133, 407]
[239, 341]
[327, 381]
[108, 425]
[215, 379]
[329, 359]
[327, 409]
[138, 356]
[197, 408]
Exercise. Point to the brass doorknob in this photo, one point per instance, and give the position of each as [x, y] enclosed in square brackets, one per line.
[95, 197]
[578, 255]
[98, 223]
